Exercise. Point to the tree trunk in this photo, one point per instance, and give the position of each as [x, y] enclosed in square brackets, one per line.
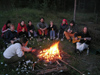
[74, 10]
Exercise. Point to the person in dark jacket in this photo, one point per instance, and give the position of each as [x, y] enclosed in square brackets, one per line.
[85, 41]
[52, 30]
[42, 28]
[31, 29]
[71, 31]
[5, 27]
[63, 26]
[22, 29]
[11, 35]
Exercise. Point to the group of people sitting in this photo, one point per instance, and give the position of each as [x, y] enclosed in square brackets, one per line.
[9, 34]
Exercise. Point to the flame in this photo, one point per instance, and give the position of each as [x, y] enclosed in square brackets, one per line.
[50, 54]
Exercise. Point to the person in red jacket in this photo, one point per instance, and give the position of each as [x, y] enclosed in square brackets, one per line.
[22, 29]
[5, 27]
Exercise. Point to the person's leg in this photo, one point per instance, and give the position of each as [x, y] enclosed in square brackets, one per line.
[67, 35]
[46, 32]
[85, 45]
[34, 34]
[53, 34]
[61, 34]
[29, 34]
[26, 34]
[40, 32]
[72, 35]
[81, 47]
[14, 59]
[20, 34]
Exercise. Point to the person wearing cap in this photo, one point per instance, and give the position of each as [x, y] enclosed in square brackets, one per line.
[63, 26]
[71, 31]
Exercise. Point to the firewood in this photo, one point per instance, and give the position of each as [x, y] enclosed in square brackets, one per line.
[58, 63]
[52, 70]
[71, 66]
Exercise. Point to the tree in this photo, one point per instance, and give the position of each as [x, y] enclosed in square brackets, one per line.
[74, 10]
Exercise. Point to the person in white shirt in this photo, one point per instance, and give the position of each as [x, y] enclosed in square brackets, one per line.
[15, 52]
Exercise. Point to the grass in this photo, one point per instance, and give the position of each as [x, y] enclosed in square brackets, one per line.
[87, 64]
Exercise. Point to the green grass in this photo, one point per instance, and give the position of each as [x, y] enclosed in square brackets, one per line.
[83, 63]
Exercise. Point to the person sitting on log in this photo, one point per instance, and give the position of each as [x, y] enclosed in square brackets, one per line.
[63, 26]
[5, 27]
[15, 52]
[11, 35]
[84, 40]
[71, 31]
[31, 29]
[42, 28]
[52, 29]
[22, 29]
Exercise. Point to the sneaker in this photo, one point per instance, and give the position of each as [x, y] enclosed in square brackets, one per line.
[62, 39]
[48, 39]
[53, 38]
[44, 38]
[57, 38]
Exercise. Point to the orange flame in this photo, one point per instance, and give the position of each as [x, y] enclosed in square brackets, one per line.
[50, 54]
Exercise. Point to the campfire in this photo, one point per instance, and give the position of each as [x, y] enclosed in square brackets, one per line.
[56, 56]
[50, 54]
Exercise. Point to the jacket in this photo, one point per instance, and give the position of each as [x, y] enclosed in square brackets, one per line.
[30, 27]
[19, 28]
[10, 35]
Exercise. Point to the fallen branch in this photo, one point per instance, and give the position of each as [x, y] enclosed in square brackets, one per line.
[71, 66]
[52, 70]
[58, 63]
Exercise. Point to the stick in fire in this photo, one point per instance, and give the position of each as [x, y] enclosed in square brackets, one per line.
[71, 66]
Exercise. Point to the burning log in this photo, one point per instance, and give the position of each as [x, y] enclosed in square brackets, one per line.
[71, 66]
[52, 70]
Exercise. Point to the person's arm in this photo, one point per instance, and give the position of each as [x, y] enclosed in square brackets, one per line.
[18, 28]
[33, 28]
[25, 49]
[4, 29]
[15, 35]
[38, 26]
[8, 36]
[26, 28]
[46, 26]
